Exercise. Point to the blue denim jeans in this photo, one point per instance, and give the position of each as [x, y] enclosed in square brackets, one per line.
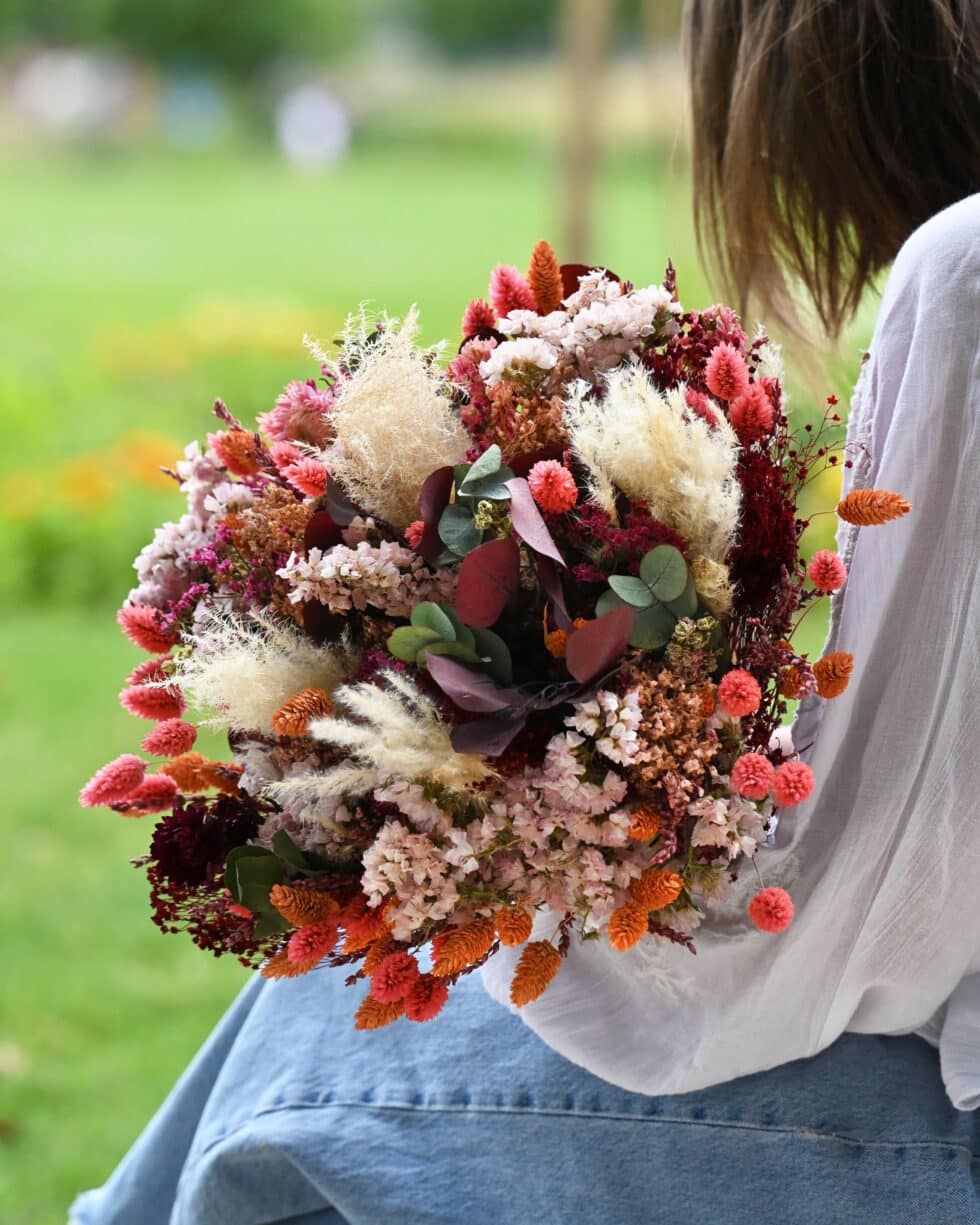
[287, 1114]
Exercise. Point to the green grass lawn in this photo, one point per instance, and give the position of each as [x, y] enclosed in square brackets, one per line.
[135, 290]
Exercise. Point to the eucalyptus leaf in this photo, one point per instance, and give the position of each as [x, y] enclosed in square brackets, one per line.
[490, 487]
[607, 602]
[653, 627]
[633, 590]
[493, 648]
[270, 923]
[686, 604]
[406, 641]
[428, 615]
[487, 465]
[664, 570]
[458, 650]
[458, 531]
[461, 632]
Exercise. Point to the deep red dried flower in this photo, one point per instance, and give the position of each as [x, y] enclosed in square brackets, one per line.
[313, 942]
[394, 977]
[426, 998]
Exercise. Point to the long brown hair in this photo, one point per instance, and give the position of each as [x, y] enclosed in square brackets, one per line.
[824, 133]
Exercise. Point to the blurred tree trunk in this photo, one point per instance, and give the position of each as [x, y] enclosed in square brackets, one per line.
[585, 27]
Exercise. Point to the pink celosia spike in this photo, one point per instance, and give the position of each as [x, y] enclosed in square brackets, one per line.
[155, 793]
[115, 781]
[141, 625]
[510, 291]
[479, 314]
[170, 738]
[309, 476]
[149, 702]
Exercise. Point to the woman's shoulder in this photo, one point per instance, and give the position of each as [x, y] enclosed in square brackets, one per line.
[943, 254]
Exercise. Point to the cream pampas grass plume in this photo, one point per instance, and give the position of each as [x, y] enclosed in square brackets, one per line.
[243, 670]
[393, 426]
[647, 444]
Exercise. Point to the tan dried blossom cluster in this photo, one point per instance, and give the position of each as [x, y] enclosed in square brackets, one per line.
[521, 422]
[273, 525]
[672, 735]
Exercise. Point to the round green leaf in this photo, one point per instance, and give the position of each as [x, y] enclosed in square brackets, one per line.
[458, 650]
[686, 604]
[607, 602]
[429, 615]
[633, 590]
[458, 531]
[653, 627]
[493, 648]
[406, 641]
[664, 570]
[488, 464]
[461, 632]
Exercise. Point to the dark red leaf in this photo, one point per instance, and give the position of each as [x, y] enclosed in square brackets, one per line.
[490, 737]
[433, 500]
[527, 520]
[484, 334]
[320, 623]
[550, 580]
[521, 465]
[321, 531]
[598, 644]
[469, 690]
[342, 509]
[488, 577]
[570, 274]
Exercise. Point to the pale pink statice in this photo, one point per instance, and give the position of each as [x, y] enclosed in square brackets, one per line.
[424, 814]
[388, 576]
[413, 871]
[301, 414]
[199, 471]
[526, 360]
[731, 823]
[520, 323]
[611, 720]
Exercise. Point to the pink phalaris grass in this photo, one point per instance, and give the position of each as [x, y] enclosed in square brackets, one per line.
[726, 373]
[771, 909]
[751, 415]
[413, 533]
[142, 625]
[309, 476]
[149, 672]
[826, 570]
[155, 793]
[699, 404]
[510, 291]
[752, 776]
[313, 942]
[150, 702]
[117, 780]
[394, 977]
[426, 998]
[552, 486]
[739, 692]
[170, 738]
[794, 783]
[479, 314]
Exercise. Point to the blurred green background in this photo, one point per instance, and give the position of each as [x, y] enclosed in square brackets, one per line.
[182, 199]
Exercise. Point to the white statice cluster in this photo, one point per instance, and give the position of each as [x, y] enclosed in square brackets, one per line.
[732, 823]
[415, 871]
[387, 575]
[612, 721]
[525, 360]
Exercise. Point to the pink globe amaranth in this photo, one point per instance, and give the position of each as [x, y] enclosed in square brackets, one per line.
[752, 776]
[552, 486]
[771, 909]
[313, 942]
[394, 976]
[826, 570]
[726, 373]
[793, 784]
[739, 692]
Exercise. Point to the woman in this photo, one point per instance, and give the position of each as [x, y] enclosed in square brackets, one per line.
[828, 139]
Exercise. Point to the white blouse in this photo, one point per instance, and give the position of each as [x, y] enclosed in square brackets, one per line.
[883, 861]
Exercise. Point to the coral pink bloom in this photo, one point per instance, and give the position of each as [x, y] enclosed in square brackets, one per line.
[170, 738]
[413, 533]
[751, 415]
[141, 624]
[510, 291]
[155, 793]
[771, 909]
[309, 476]
[479, 314]
[426, 998]
[394, 976]
[752, 776]
[794, 783]
[115, 781]
[149, 671]
[313, 942]
[148, 702]
[826, 570]
[552, 486]
[726, 373]
[739, 692]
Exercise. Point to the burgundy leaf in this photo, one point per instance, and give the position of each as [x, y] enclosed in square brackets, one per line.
[570, 274]
[527, 520]
[521, 465]
[341, 508]
[433, 500]
[488, 577]
[550, 580]
[490, 737]
[320, 623]
[469, 690]
[321, 531]
[598, 644]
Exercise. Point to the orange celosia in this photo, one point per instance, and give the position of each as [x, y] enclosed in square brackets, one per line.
[302, 904]
[363, 923]
[513, 926]
[373, 1014]
[293, 717]
[462, 946]
[376, 953]
[185, 770]
[627, 925]
[537, 967]
[544, 276]
[279, 965]
[833, 673]
[868, 507]
[556, 641]
[656, 888]
[645, 823]
[220, 775]
[238, 450]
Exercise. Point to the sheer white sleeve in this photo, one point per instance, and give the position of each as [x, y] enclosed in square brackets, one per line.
[883, 861]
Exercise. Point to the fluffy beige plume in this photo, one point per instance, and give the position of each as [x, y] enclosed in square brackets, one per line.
[243, 670]
[650, 446]
[395, 733]
[392, 425]
[712, 583]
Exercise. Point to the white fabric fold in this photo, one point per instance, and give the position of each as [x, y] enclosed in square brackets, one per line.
[883, 861]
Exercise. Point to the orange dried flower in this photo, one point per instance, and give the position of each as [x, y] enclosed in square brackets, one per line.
[544, 276]
[185, 770]
[373, 1014]
[293, 717]
[792, 682]
[645, 824]
[868, 507]
[221, 775]
[656, 888]
[279, 965]
[513, 926]
[708, 699]
[238, 450]
[556, 641]
[627, 925]
[303, 903]
[376, 953]
[833, 673]
[461, 946]
[537, 967]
